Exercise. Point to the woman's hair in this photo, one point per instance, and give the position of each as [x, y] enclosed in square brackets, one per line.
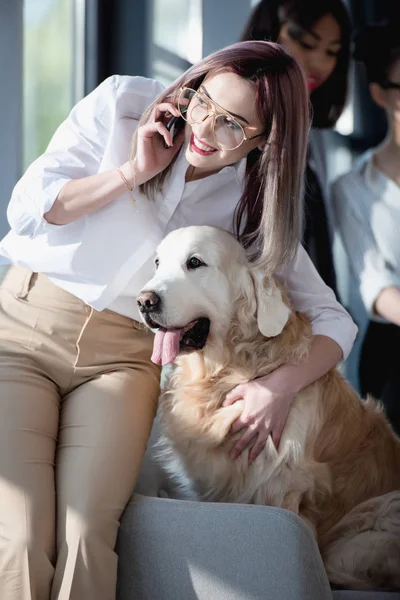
[265, 23]
[268, 215]
[378, 47]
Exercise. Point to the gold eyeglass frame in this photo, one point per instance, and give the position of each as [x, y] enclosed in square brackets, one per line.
[212, 112]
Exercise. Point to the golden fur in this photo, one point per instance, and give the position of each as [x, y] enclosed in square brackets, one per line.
[338, 463]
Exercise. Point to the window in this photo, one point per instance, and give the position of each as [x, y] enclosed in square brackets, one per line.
[53, 69]
[177, 37]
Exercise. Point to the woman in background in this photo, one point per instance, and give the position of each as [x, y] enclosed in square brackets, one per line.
[367, 207]
[317, 34]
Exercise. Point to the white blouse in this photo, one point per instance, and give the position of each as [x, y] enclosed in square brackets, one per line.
[367, 210]
[106, 257]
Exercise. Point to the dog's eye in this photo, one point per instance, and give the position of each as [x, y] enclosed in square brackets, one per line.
[157, 262]
[195, 263]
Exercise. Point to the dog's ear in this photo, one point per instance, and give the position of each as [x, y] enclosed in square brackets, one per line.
[272, 312]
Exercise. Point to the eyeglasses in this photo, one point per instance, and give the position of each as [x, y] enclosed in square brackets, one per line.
[195, 107]
[390, 85]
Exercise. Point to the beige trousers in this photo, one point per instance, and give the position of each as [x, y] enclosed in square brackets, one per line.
[78, 395]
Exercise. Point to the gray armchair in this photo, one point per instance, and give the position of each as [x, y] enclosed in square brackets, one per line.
[171, 549]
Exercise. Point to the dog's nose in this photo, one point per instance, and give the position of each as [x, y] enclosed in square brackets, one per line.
[147, 301]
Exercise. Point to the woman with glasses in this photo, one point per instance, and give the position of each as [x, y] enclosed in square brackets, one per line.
[78, 391]
[367, 205]
[317, 34]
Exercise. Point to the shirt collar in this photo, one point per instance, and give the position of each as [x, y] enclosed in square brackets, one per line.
[381, 185]
[371, 173]
[237, 170]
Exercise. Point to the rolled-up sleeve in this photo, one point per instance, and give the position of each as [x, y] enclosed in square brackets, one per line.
[352, 211]
[311, 296]
[75, 151]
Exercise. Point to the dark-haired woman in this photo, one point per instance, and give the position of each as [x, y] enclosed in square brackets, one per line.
[317, 34]
[367, 205]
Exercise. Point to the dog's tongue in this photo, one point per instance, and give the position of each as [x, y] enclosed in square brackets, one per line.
[166, 346]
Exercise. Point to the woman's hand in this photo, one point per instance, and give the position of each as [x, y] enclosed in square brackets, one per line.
[264, 413]
[151, 155]
[80, 197]
[267, 400]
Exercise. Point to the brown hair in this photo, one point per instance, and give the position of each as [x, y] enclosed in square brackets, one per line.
[265, 23]
[268, 215]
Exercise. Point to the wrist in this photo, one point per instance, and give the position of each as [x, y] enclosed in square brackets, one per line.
[128, 184]
[132, 175]
[285, 380]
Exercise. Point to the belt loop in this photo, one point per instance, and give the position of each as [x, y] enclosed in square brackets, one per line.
[24, 290]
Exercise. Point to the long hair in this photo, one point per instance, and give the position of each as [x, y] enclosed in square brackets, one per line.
[378, 47]
[268, 215]
[265, 23]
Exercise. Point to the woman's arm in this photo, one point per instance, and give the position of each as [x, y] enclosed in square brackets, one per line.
[377, 279]
[267, 400]
[387, 304]
[82, 196]
[324, 354]
[311, 296]
[64, 183]
[74, 152]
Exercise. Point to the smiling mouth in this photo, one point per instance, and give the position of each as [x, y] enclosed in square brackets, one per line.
[313, 82]
[201, 147]
[169, 342]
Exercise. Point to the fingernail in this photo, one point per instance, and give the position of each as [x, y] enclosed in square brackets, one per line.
[234, 455]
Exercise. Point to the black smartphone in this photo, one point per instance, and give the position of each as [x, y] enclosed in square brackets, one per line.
[174, 126]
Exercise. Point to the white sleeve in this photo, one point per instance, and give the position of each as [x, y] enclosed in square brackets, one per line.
[75, 151]
[311, 296]
[374, 274]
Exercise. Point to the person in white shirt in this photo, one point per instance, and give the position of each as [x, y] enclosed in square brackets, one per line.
[78, 389]
[367, 206]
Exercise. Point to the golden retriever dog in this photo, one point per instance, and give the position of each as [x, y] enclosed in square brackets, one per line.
[223, 323]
